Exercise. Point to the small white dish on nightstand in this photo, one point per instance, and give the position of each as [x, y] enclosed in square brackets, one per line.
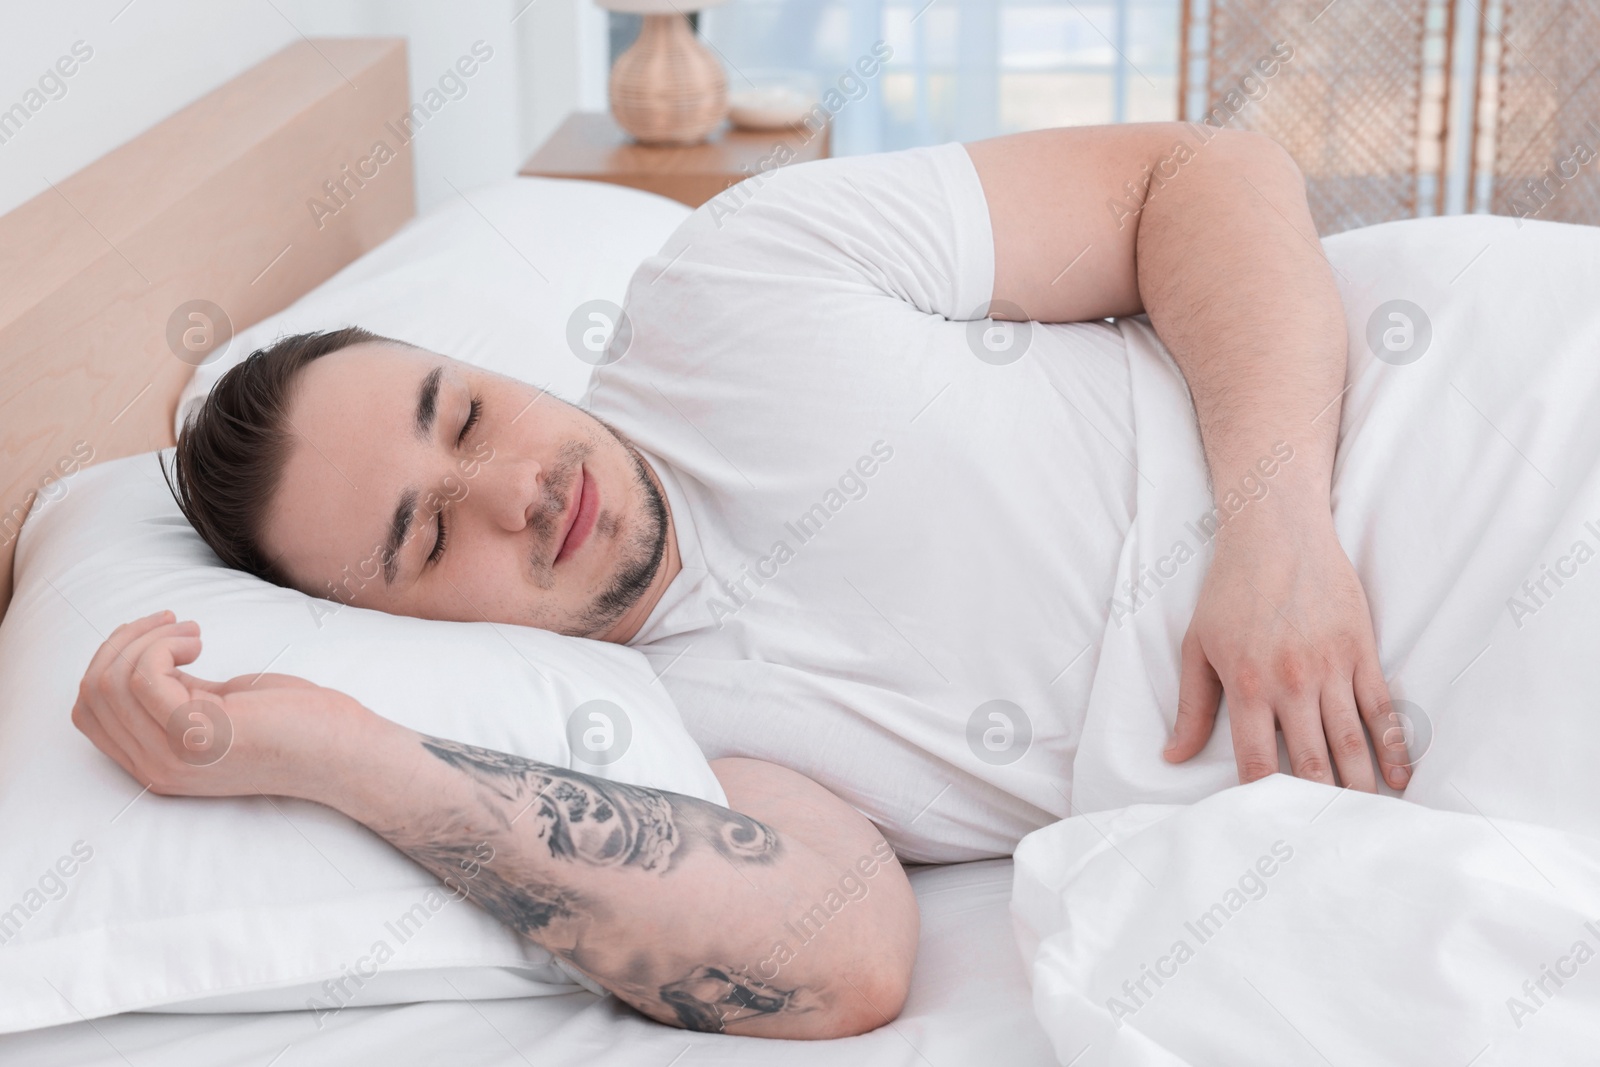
[771, 99]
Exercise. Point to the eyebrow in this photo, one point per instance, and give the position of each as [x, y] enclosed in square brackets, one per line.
[428, 403]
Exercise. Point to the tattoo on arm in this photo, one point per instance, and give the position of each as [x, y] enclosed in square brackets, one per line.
[712, 997]
[590, 822]
[602, 823]
[527, 905]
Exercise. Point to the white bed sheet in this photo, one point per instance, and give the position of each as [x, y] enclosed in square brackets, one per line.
[970, 1003]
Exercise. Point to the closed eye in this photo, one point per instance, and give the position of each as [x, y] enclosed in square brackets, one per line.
[438, 542]
[473, 411]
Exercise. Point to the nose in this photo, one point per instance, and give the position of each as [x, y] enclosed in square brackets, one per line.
[511, 491]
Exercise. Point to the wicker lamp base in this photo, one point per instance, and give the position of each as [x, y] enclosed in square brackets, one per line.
[668, 88]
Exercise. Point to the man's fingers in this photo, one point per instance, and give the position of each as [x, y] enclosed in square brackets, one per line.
[156, 687]
[105, 683]
[1386, 727]
[200, 685]
[1199, 691]
[131, 674]
[99, 723]
[85, 721]
[119, 673]
[1347, 741]
[1255, 740]
[1303, 735]
[111, 649]
[114, 696]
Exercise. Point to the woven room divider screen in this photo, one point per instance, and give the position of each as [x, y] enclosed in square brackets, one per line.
[1537, 144]
[1361, 103]
[1364, 98]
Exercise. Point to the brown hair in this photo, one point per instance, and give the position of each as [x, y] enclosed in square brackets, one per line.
[233, 448]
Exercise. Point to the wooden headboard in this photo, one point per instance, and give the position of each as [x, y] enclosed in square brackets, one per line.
[100, 275]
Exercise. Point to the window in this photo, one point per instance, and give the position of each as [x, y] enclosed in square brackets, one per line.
[961, 69]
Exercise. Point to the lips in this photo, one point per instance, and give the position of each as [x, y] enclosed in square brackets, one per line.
[584, 507]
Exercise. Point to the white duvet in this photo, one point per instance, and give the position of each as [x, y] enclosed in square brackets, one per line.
[1175, 920]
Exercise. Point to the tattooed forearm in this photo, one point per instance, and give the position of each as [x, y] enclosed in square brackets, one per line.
[603, 823]
[679, 907]
[526, 905]
[572, 861]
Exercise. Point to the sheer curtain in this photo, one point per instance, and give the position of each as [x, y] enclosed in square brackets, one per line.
[959, 69]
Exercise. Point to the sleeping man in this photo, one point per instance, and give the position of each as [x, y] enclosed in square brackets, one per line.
[855, 476]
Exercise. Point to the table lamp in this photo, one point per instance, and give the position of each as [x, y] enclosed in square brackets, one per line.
[668, 88]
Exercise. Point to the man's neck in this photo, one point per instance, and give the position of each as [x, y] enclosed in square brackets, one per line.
[627, 627]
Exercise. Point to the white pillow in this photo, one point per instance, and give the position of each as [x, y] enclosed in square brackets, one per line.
[494, 280]
[114, 901]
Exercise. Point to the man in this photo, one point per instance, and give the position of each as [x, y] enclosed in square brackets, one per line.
[841, 511]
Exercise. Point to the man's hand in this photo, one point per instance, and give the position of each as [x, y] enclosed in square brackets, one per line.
[1283, 626]
[185, 736]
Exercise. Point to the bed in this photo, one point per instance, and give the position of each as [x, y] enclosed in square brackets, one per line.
[970, 998]
[1171, 920]
[169, 252]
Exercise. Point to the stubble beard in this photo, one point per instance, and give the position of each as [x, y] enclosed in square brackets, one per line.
[640, 551]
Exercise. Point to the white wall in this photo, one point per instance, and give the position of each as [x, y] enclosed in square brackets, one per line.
[151, 57]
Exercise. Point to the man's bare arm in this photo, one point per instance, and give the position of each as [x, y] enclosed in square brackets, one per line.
[1207, 231]
[786, 915]
[696, 915]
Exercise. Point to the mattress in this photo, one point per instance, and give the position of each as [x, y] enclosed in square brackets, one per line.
[970, 1002]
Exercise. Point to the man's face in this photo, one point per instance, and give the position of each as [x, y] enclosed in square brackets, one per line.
[419, 485]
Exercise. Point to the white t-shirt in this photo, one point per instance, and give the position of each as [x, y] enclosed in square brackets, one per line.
[882, 533]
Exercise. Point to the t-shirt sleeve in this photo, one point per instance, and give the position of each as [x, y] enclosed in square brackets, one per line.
[911, 226]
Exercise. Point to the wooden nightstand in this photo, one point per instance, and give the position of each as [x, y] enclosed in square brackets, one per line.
[590, 146]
